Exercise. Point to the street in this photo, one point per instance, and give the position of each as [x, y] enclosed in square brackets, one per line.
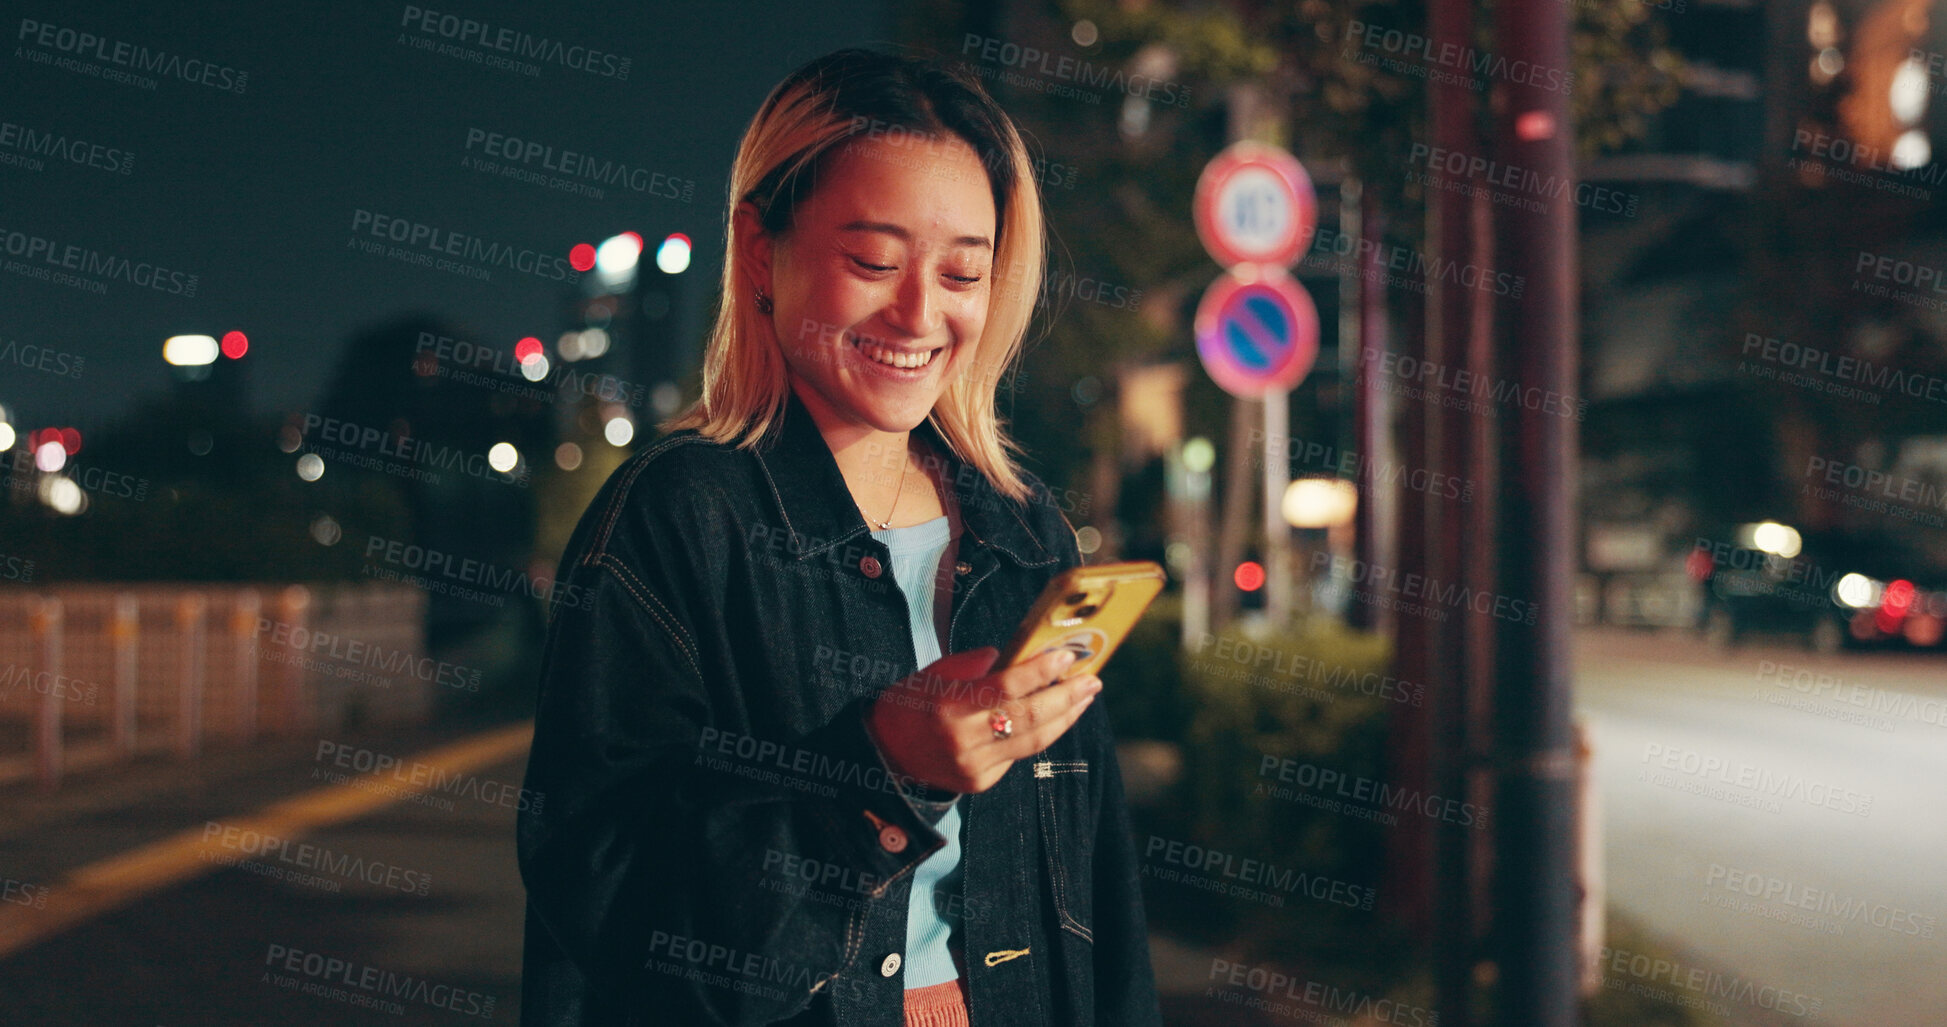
[1769, 843]
[1778, 814]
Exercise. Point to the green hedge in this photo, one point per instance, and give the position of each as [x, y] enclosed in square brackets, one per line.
[1231, 701]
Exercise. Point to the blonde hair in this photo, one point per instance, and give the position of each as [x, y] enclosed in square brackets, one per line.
[824, 103]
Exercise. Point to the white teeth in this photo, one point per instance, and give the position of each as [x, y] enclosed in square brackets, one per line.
[895, 358]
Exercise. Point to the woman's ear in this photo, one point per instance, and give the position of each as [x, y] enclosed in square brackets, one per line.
[754, 247]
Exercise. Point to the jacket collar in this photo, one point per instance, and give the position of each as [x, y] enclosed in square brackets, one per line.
[818, 509]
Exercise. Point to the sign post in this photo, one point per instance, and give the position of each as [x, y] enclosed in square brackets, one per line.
[1257, 328]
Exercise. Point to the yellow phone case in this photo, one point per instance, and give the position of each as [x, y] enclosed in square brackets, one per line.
[1089, 609]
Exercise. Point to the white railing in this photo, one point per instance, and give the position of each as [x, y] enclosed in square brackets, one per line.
[100, 674]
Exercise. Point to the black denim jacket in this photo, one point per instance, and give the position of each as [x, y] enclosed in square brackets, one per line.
[716, 840]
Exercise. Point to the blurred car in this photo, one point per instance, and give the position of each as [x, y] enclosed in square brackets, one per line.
[1651, 599]
[1832, 591]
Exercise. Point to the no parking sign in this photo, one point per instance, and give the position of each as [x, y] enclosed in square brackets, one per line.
[1257, 330]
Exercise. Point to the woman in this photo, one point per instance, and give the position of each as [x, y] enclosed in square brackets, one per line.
[753, 809]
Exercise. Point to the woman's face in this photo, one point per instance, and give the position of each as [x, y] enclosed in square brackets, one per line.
[881, 284]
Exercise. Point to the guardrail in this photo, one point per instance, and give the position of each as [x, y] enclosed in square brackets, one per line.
[102, 674]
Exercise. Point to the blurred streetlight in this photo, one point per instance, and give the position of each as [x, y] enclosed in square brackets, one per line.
[190, 350]
[1320, 502]
[615, 261]
[618, 431]
[673, 256]
[503, 457]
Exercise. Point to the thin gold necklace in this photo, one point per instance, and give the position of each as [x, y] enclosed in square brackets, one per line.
[886, 525]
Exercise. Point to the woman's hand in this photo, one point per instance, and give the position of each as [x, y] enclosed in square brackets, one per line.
[936, 726]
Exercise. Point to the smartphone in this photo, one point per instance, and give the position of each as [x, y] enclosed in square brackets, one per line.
[1089, 610]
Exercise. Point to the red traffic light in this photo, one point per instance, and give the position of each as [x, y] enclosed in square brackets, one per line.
[1249, 576]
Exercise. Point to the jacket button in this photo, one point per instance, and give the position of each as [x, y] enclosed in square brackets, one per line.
[892, 839]
[869, 566]
[962, 567]
[889, 965]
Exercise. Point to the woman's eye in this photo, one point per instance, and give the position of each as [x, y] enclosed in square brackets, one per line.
[966, 279]
[876, 268]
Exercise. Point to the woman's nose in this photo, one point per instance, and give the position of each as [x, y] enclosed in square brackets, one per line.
[915, 308]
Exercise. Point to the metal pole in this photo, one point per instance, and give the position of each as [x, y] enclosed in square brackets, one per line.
[1277, 534]
[1536, 758]
[124, 634]
[192, 661]
[1452, 525]
[1375, 517]
[49, 757]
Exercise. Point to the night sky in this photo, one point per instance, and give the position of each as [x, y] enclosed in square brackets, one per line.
[255, 191]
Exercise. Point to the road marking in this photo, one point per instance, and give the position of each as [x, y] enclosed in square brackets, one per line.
[109, 884]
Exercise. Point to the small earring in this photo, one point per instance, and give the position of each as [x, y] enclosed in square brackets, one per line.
[763, 302]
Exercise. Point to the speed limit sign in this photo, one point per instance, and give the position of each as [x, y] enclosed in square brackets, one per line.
[1255, 205]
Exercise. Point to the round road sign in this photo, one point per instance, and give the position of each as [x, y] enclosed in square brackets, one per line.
[1255, 205]
[1257, 330]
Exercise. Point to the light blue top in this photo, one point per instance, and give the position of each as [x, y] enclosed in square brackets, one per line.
[921, 560]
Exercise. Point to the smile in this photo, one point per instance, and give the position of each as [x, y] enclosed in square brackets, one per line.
[909, 360]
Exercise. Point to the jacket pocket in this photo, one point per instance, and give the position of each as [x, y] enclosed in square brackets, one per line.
[1068, 839]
